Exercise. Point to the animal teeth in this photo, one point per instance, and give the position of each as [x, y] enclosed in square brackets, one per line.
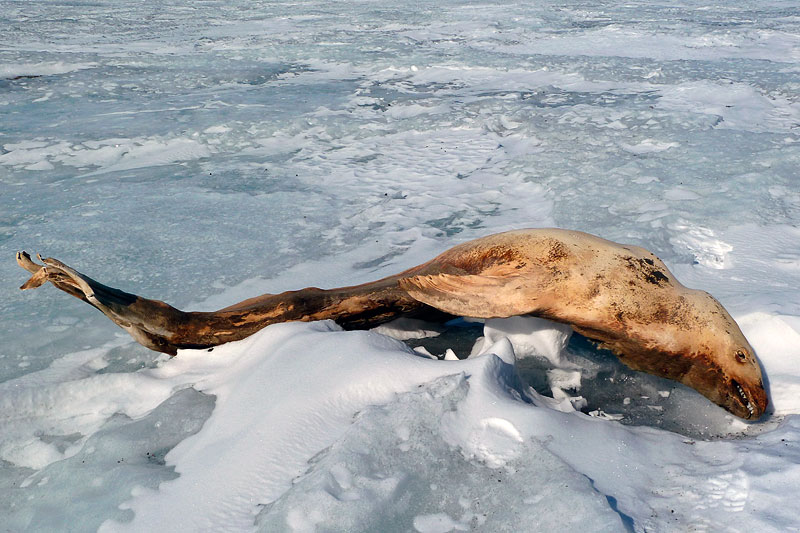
[743, 396]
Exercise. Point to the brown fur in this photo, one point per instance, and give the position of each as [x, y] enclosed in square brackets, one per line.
[621, 296]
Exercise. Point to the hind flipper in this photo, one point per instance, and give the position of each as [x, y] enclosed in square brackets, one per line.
[43, 274]
[151, 322]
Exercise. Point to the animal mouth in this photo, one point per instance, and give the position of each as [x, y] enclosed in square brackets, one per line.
[743, 397]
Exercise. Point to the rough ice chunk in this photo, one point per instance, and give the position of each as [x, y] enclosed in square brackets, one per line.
[530, 336]
[408, 328]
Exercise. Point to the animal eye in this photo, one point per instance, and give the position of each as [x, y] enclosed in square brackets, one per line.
[741, 356]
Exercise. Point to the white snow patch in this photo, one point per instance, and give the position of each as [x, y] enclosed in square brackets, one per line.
[137, 154]
[776, 339]
[738, 106]
[680, 194]
[217, 129]
[41, 165]
[648, 146]
[69, 398]
[409, 328]
[437, 523]
[703, 244]
[530, 336]
[44, 68]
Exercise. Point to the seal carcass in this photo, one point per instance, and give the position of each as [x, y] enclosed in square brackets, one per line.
[622, 296]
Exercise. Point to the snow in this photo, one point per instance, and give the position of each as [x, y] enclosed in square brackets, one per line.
[202, 154]
[277, 467]
[529, 335]
[44, 68]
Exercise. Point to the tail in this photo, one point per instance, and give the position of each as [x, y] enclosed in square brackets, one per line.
[152, 323]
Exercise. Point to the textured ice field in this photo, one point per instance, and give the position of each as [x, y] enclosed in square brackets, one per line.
[205, 152]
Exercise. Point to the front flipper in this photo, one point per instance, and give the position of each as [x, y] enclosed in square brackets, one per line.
[151, 322]
[478, 296]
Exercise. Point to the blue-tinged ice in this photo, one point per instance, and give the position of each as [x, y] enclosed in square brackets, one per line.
[202, 153]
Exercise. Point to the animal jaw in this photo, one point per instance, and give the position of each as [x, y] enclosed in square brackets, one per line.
[622, 296]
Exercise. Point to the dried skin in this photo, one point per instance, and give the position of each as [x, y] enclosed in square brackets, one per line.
[621, 296]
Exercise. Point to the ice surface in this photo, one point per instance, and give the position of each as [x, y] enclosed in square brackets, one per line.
[202, 153]
[413, 478]
[122, 458]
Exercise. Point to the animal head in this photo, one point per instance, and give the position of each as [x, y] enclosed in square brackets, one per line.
[727, 369]
[700, 345]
